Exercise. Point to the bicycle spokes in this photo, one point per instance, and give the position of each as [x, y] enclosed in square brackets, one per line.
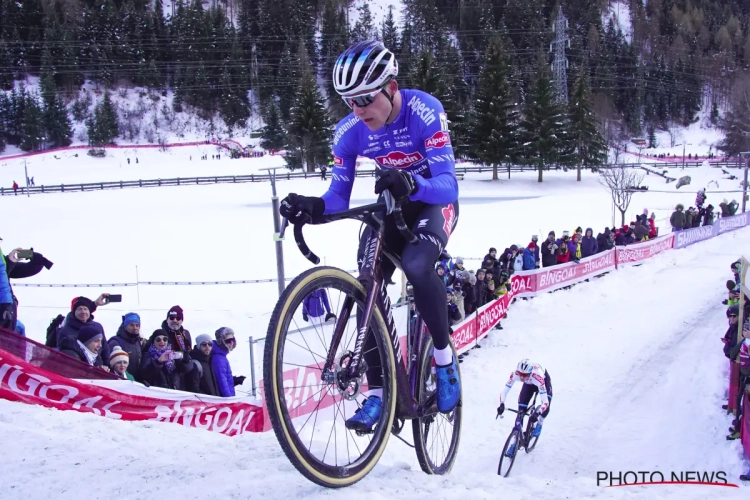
[319, 400]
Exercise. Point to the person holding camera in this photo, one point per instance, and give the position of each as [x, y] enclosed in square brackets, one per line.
[161, 365]
[550, 251]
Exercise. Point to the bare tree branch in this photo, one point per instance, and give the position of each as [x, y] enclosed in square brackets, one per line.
[619, 181]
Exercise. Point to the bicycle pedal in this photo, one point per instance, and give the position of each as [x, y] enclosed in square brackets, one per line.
[363, 433]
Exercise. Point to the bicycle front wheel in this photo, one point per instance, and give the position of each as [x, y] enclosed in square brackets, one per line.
[510, 450]
[307, 412]
[436, 435]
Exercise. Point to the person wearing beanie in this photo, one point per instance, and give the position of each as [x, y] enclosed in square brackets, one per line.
[550, 250]
[162, 366]
[179, 338]
[86, 346]
[490, 260]
[529, 258]
[129, 340]
[118, 362]
[201, 380]
[222, 346]
[82, 313]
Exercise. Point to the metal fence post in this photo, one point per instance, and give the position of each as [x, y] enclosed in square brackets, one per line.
[252, 364]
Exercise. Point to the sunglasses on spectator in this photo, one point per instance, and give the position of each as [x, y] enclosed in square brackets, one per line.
[205, 344]
[733, 316]
[161, 339]
[230, 339]
[175, 318]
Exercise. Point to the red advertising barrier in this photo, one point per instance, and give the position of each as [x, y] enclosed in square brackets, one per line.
[124, 400]
[638, 252]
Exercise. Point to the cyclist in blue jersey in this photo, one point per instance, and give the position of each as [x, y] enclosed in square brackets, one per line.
[406, 132]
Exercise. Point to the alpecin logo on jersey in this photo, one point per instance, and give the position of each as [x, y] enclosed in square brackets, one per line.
[425, 113]
[398, 159]
[438, 140]
[337, 161]
[449, 218]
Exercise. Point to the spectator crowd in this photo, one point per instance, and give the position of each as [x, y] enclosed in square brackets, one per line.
[737, 349]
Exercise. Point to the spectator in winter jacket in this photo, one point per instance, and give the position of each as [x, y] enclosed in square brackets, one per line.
[223, 345]
[440, 270]
[314, 305]
[652, 231]
[490, 260]
[480, 289]
[15, 268]
[454, 315]
[508, 259]
[537, 261]
[86, 346]
[7, 304]
[82, 314]
[118, 363]
[178, 338]
[201, 379]
[603, 240]
[470, 297]
[529, 258]
[129, 339]
[564, 255]
[589, 246]
[677, 220]
[708, 217]
[518, 260]
[730, 337]
[574, 247]
[161, 365]
[458, 297]
[502, 284]
[640, 231]
[741, 350]
[689, 218]
[550, 250]
[457, 268]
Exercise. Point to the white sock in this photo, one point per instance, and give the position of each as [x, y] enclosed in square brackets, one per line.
[443, 357]
[375, 392]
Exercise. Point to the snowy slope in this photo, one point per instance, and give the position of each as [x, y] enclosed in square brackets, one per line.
[638, 377]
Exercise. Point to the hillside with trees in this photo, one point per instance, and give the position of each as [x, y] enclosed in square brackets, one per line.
[489, 62]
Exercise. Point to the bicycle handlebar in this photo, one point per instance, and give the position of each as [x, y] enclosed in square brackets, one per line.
[390, 205]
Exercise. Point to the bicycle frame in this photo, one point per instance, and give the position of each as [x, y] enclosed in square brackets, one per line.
[371, 278]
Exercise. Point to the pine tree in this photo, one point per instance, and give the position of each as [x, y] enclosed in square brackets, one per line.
[425, 74]
[273, 136]
[588, 146]
[540, 125]
[454, 95]
[103, 126]
[492, 134]
[33, 126]
[363, 28]
[58, 129]
[6, 68]
[310, 127]
[335, 39]
[389, 31]
[652, 136]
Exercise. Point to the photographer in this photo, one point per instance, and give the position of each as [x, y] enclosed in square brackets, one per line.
[15, 268]
[161, 365]
[550, 251]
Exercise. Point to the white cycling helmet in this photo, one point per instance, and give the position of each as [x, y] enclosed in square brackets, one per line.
[524, 367]
[363, 67]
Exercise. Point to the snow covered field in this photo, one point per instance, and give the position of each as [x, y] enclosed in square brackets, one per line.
[635, 358]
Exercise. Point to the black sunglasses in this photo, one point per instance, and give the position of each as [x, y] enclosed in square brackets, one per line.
[205, 344]
[161, 339]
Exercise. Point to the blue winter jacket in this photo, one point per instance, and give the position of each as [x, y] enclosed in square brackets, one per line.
[589, 246]
[529, 260]
[6, 297]
[313, 304]
[222, 371]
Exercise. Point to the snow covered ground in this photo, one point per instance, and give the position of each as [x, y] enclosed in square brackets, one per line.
[635, 358]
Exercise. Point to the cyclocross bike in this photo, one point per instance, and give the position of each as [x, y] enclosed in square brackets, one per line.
[300, 396]
[519, 438]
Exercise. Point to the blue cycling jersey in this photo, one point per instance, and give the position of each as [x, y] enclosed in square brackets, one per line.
[417, 141]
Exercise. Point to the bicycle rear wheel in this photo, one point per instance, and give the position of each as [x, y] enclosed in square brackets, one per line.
[505, 460]
[436, 436]
[300, 402]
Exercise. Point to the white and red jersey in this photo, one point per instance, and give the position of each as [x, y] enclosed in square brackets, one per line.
[536, 378]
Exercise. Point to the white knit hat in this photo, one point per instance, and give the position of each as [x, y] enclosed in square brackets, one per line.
[118, 354]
